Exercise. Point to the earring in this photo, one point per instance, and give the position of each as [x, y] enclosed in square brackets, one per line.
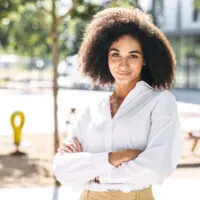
[144, 63]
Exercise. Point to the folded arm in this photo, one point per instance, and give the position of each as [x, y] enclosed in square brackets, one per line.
[162, 153]
[87, 165]
[77, 168]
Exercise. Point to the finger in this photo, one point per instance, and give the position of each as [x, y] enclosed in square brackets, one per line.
[65, 149]
[71, 146]
[78, 144]
[97, 179]
[61, 151]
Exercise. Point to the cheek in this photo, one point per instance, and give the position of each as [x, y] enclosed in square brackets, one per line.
[136, 66]
[111, 68]
[112, 63]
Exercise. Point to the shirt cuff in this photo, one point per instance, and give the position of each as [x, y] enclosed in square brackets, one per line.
[102, 164]
[105, 178]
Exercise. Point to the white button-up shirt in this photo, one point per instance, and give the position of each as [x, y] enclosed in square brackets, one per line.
[146, 120]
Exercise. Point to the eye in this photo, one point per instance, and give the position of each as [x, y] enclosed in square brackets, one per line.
[133, 56]
[115, 55]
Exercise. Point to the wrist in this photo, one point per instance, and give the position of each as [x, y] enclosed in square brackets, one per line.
[111, 158]
[115, 158]
[97, 180]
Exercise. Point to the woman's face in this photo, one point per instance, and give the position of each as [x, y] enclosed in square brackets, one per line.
[125, 60]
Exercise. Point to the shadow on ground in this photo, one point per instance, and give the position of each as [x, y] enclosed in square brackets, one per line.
[21, 168]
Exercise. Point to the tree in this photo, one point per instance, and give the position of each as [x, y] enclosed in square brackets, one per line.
[124, 3]
[26, 36]
[50, 23]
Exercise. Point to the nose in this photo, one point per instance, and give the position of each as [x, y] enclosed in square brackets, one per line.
[124, 63]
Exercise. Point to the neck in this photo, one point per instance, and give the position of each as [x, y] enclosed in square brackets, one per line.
[122, 90]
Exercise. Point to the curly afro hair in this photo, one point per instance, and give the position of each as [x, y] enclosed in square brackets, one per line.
[109, 25]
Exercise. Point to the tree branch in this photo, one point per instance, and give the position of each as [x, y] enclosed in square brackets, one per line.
[40, 9]
[45, 24]
[61, 18]
[45, 10]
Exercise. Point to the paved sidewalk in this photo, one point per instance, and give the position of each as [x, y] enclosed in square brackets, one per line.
[184, 189]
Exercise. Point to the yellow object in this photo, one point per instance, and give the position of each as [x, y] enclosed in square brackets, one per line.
[17, 129]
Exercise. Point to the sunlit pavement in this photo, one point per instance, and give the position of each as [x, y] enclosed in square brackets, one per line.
[184, 189]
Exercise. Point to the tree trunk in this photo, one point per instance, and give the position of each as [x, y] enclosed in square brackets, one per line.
[55, 89]
[55, 74]
[55, 53]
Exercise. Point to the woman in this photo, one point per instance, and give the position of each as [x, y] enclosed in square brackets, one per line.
[130, 140]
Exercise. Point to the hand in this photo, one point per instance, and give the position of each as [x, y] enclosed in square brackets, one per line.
[117, 158]
[130, 154]
[95, 180]
[70, 148]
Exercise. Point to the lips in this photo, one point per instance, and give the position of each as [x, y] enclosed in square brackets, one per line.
[123, 73]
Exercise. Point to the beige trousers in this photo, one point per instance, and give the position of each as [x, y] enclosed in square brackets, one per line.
[145, 194]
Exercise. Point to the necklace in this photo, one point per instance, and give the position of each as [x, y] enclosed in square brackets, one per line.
[116, 104]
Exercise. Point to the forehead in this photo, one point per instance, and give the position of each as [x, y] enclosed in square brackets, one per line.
[126, 41]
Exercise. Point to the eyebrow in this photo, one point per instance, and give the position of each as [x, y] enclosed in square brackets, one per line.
[134, 51]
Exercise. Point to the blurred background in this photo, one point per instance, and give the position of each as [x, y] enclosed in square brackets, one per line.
[42, 91]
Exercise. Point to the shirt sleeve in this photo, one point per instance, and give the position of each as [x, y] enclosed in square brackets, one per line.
[162, 153]
[75, 169]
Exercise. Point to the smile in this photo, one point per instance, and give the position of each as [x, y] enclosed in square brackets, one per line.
[123, 73]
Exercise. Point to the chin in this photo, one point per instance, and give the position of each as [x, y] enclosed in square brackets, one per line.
[123, 81]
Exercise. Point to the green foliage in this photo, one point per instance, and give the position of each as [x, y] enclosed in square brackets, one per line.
[22, 30]
[123, 3]
[80, 16]
[26, 35]
[8, 6]
[85, 11]
[197, 3]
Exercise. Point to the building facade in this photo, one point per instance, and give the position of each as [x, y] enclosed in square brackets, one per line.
[180, 21]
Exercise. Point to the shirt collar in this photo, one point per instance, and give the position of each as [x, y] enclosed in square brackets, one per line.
[144, 84]
[101, 113]
[140, 88]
